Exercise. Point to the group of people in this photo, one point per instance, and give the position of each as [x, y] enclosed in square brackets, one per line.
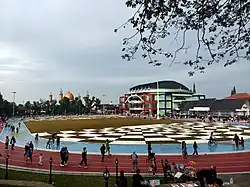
[238, 141]
[51, 141]
[11, 142]
[181, 173]
[208, 174]
[105, 148]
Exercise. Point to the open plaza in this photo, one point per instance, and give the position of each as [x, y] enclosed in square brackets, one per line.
[125, 135]
[169, 132]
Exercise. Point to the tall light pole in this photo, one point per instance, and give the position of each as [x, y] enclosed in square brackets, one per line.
[158, 101]
[14, 98]
[103, 95]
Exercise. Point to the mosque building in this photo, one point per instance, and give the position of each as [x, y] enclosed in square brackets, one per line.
[68, 95]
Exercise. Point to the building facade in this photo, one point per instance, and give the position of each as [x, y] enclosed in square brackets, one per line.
[156, 98]
[232, 106]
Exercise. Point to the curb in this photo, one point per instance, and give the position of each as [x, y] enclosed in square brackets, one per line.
[57, 172]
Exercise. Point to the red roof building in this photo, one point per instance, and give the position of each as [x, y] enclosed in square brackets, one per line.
[239, 96]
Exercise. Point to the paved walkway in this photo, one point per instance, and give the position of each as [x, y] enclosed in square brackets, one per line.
[225, 163]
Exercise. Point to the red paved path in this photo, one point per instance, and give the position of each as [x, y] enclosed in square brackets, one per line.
[225, 163]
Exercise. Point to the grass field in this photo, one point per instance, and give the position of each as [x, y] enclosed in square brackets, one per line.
[62, 180]
[55, 126]
[79, 124]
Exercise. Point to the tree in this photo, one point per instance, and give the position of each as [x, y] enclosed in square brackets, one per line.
[21, 110]
[6, 108]
[28, 107]
[90, 104]
[220, 28]
[64, 105]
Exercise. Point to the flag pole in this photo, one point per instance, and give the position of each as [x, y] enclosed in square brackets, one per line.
[158, 101]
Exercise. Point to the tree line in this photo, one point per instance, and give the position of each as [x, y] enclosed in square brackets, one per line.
[86, 105]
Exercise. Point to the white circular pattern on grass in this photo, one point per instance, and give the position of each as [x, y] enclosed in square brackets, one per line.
[156, 133]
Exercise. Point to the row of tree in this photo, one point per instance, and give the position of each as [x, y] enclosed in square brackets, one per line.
[86, 105]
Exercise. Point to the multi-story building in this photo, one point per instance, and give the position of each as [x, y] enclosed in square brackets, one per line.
[232, 106]
[156, 98]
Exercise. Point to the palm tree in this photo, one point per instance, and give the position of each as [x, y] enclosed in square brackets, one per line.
[64, 105]
[90, 104]
[53, 107]
[37, 107]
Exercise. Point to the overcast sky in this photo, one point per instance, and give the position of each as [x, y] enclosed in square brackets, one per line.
[48, 45]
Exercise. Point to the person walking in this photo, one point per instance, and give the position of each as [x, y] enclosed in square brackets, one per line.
[17, 130]
[149, 149]
[236, 140]
[12, 142]
[184, 149]
[62, 156]
[66, 156]
[26, 149]
[7, 142]
[102, 149]
[48, 143]
[36, 137]
[84, 158]
[134, 158]
[195, 146]
[29, 156]
[31, 146]
[108, 147]
[57, 142]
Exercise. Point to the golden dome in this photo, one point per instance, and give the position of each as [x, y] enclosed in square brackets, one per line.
[69, 95]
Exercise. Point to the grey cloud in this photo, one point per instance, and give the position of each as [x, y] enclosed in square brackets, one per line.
[71, 45]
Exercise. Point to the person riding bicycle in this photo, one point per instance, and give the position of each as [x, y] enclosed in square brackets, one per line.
[212, 138]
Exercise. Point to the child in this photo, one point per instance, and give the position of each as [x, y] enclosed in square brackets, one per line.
[242, 142]
[41, 159]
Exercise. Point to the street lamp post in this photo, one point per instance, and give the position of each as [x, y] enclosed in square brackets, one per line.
[164, 172]
[6, 167]
[50, 170]
[116, 169]
[103, 96]
[106, 176]
[14, 98]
